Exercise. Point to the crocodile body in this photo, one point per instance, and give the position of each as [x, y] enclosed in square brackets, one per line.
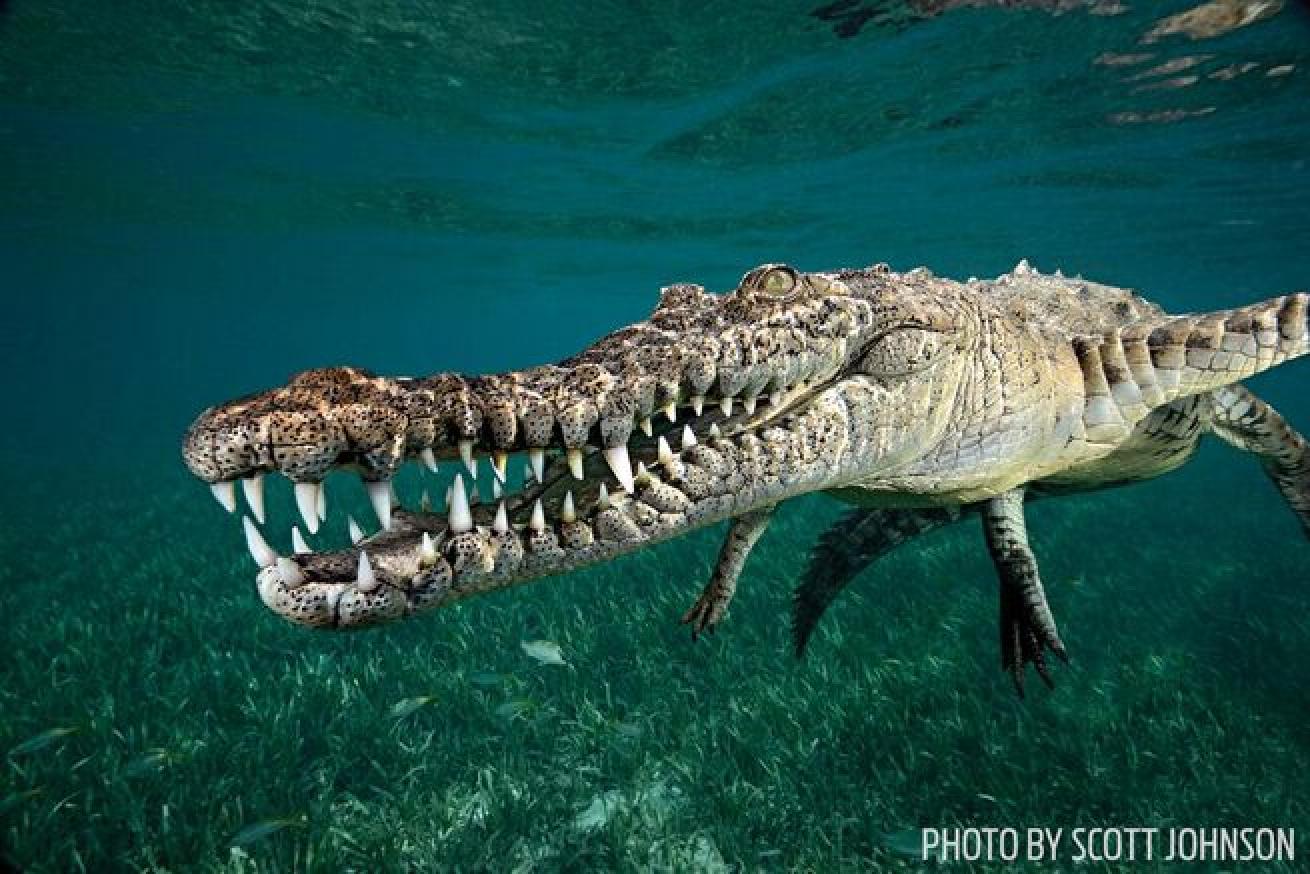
[916, 397]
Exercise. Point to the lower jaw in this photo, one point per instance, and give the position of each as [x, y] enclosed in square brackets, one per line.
[422, 563]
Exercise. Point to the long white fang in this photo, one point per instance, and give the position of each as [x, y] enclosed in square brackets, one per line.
[537, 458]
[427, 551]
[725, 404]
[688, 437]
[647, 427]
[379, 494]
[226, 494]
[643, 475]
[698, 404]
[307, 502]
[671, 411]
[356, 533]
[298, 544]
[748, 404]
[260, 551]
[574, 457]
[500, 465]
[461, 517]
[568, 512]
[663, 453]
[538, 520]
[290, 572]
[603, 498]
[715, 433]
[365, 579]
[253, 487]
[617, 458]
[466, 456]
[429, 459]
[501, 523]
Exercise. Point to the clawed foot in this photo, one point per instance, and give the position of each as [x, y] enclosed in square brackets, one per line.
[1027, 631]
[705, 615]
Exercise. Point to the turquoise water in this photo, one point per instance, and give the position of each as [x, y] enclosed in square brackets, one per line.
[196, 202]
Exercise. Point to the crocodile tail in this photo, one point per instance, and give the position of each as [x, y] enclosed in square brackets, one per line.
[1146, 365]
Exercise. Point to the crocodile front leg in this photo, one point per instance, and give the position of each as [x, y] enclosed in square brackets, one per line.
[1027, 626]
[713, 602]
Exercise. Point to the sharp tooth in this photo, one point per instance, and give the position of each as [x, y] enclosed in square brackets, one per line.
[748, 404]
[647, 427]
[671, 410]
[663, 452]
[322, 502]
[698, 404]
[527, 473]
[379, 494]
[537, 458]
[568, 512]
[499, 465]
[617, 458]
[253, 487]
[538, 520]
[688, 437]
[466, 456]
[603, 498]
[496, 491]
[425, 502]
[356, 533]
[461, 517]
[427, 551]
[574, 457]
[307, 502]
[715, 433]
[429, 459]
[775, 399]
[298, 544]
[260, 551]
[365, 579]
[226, 494]
[501, 522]
[643, 475]
[726, 405]
[292, 575]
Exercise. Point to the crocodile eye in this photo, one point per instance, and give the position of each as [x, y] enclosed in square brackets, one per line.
[778, 282]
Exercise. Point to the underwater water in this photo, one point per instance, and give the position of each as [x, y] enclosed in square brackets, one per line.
[198, 200]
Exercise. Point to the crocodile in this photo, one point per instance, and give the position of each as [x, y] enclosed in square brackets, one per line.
[917, 398]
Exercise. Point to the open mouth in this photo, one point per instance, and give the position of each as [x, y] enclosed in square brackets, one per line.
[596, 489]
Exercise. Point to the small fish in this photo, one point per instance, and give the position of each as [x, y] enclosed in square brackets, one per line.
[516, 708]
[906, 843]
[42, 740]
[408, 706]
[546, 652]
[260, 830]
[147, 763]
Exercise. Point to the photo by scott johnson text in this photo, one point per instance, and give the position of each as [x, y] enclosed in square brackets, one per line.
[1109, 844]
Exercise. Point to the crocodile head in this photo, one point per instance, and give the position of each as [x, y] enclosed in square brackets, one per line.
[715, 406]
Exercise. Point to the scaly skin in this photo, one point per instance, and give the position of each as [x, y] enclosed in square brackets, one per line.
[885, 389]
